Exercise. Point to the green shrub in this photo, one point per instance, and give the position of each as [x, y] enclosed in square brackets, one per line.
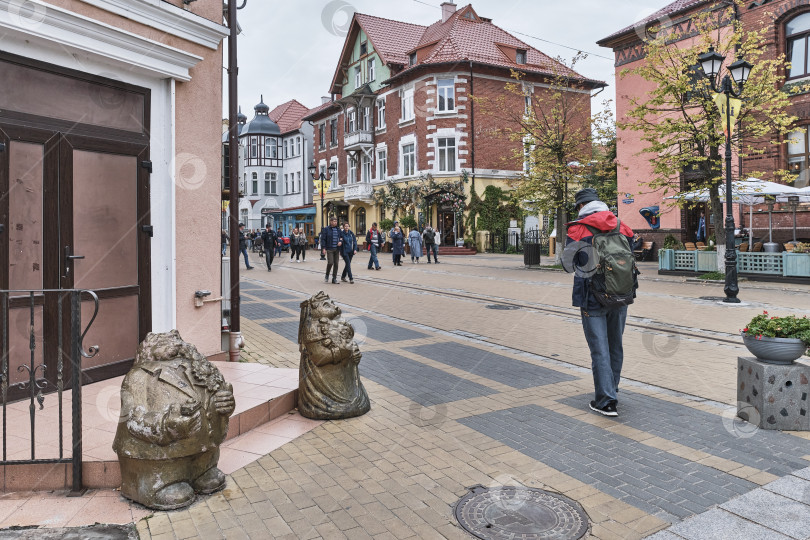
[713, 275]
[386, 224]
[670, 242]
[408, 221]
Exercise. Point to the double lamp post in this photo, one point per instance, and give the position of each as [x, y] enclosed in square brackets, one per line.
[322, 183]
[711, 62]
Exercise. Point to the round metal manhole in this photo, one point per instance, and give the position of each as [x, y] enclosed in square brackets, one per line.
[501, 306]
[519, 512]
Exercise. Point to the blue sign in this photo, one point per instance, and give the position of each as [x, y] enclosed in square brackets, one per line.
[628, 201]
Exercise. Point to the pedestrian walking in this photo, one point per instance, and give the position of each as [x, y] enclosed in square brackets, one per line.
[293, 245]
[415, 241]
[331, 240]
[347, 251]
[300, 241]
[280, 243]
[429, 240]
[393, 257]
[243, 245]
[374, 243]
[397, 245]
[269, 240]
[224, 241]
[602, 291]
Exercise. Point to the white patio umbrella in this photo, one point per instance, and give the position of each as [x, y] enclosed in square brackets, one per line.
[750, 191]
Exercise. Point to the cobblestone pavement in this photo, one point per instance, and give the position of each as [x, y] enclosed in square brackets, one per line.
[477, 373]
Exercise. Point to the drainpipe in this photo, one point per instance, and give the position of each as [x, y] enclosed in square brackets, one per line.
[472, 126]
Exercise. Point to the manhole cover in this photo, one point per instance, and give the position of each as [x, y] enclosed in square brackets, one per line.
[713, 298]
[501, 306]
[520, 512]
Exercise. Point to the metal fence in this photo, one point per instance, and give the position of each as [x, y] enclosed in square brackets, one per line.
[33, 388]
[516, 241]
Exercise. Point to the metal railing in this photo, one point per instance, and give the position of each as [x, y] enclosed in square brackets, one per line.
[34, 386]
[517, 241]
[777, 264]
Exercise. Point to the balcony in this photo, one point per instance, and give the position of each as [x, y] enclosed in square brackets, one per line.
[358, 140]
[358, 192]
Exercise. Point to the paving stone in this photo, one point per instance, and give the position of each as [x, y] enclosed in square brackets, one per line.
[423, 384]
[717, 524]
[666, 473]
[384, 332]
[771, 451]
[267, 294]
[791, 487]
[762, 506]
[484, 363]
[286, 329]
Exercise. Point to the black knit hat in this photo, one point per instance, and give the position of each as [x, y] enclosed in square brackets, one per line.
[584, 196]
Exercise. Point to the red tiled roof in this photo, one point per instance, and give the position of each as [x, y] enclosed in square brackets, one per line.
[676, 7]
[391, 39]
[289, 115]
[314, 113]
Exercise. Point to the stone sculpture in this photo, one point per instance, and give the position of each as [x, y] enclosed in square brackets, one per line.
[330, 386]
[175, 406]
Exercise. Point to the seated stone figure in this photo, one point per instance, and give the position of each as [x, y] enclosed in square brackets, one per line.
[329, 382]
[174, 415]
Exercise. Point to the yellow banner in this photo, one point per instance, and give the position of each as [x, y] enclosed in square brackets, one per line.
[734, 106]
[225, 206]
[322, 186]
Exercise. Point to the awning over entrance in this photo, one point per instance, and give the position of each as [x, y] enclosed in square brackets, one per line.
[302, 211]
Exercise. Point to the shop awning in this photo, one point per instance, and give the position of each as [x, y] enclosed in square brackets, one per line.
[303, 211]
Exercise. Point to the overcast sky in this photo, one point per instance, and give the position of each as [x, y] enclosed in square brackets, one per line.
[289, 49]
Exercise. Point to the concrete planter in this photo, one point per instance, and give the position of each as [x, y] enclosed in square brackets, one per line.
[775, 350]
[796, 264]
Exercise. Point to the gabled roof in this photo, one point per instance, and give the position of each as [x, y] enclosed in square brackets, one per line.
[675, 8]
[463, 37]
[316, 113]
[289, 115]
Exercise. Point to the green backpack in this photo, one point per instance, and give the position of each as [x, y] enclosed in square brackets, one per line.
[614, 279]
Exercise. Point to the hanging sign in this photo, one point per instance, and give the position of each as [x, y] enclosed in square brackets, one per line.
[731, 115]
[628, 198]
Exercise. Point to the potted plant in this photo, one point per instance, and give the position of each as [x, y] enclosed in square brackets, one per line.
[777, 340]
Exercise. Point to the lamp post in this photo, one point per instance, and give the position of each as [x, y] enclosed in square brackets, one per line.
[711, 62]
[322, 184]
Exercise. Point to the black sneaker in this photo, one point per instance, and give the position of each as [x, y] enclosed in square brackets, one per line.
[607, 410]
[336, 282]
[326, 279]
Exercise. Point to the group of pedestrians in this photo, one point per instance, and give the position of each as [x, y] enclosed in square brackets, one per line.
[419, 243]
[271, 243]
[336, 243]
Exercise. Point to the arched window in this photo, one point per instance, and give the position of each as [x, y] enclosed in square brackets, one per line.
[797, 31]
[360, 219]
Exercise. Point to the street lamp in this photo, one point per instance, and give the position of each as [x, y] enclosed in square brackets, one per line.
[322, 186]
[711, 63]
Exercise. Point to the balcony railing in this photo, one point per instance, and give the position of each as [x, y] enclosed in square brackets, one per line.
[358, 192]
[358, 139]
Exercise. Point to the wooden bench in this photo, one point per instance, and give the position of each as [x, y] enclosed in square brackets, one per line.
[690, 246]
[643, 253]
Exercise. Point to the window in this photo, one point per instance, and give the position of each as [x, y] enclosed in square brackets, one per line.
[797, 31]
[358, 77]
[298, 146]
[333, 132]
[407, 105]
[267, 186]
[268, 145]
[366, 169]
[408, 159]
[273, 148]
[447, 95]
[254, 184]
[447, 154]
[366, 118]
[352, 171]
[351, 121]
[382, 164]
[360, 221]
[363, 49]
[298, 175]
[273, 183]
[371, 69]
[254, 147]
[799, 155]
[321, 140]
[412, 59]
[286, 150]
[520, 56]
[380, 113]
[286, 183]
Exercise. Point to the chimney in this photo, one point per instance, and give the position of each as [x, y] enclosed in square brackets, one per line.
[325, 100]
[448, 8]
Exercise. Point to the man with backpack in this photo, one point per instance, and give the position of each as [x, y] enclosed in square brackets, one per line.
[269, 239]
[429, 239]
[605, 281]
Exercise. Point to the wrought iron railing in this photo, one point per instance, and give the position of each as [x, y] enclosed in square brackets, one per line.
[35, 385]
[515, 241]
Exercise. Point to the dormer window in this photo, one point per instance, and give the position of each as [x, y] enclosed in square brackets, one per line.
[412, 59]
[520, 56]
[363, 49]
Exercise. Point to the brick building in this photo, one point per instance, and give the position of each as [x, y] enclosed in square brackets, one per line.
[787, 25]
[402, 108]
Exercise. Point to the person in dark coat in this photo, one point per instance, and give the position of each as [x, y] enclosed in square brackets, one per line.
[243, 243]
[429, 239]
[374, 241]
[397, 245]
[331, 240]
[347, 251]
[269, 239]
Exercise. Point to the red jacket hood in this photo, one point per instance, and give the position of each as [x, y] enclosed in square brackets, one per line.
[604, 221]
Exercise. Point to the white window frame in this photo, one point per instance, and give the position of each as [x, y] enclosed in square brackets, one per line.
[254, 184]
[381, 113]
[445, 93]
[407, 105]
[333, 135]
[298, 175]
[352, 120]
[321, 136]
[254, 147]
[273, 184]
[298, 146]
[286, 150]
[365, 169]
[335, 178]
[371, 70]
[358, 76]
[521, 56]
[408, 161]
[352, 168]
[382, 163]
[366, 119]
[446, 148]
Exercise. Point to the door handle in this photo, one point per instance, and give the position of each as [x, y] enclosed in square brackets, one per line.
[69, 258]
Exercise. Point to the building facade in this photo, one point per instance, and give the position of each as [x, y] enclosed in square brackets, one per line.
[402, 109]
[787, 25]
[109, 168]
